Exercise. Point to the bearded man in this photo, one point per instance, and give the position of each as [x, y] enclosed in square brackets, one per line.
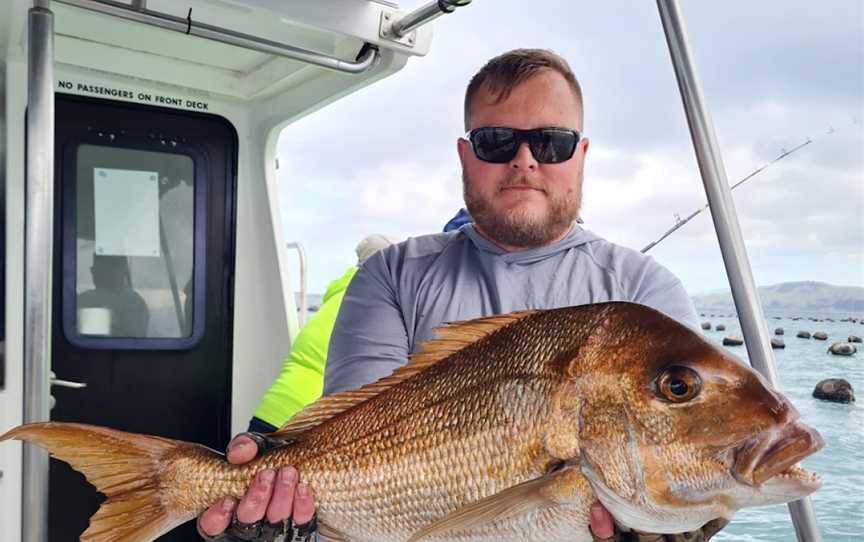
[523, 161]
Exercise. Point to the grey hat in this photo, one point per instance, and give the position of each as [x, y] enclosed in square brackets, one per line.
[372, 244]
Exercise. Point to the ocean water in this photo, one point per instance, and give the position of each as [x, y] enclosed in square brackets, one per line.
[839, 504]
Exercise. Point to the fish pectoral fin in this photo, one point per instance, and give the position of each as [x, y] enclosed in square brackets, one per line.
[514, 501]
[331, 534]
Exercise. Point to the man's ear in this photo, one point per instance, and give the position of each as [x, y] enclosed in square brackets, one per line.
[463, 146]
[584, 143]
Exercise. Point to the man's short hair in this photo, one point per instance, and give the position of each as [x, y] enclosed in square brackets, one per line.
[506, 71]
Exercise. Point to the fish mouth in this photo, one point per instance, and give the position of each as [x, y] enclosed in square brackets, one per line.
[776, 453]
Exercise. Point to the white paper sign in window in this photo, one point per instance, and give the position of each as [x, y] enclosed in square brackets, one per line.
[126, 208]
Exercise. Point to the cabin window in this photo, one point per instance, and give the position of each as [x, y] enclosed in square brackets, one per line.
[131, 242]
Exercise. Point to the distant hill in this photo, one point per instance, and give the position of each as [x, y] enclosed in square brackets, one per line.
[803, 296]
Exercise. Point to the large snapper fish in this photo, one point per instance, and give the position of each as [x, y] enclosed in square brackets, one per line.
[502, 428]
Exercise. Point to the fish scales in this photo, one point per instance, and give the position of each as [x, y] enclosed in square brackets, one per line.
[466, 431]
[437, 464]
[421, 451]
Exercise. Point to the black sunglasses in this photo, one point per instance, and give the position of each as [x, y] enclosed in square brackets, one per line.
[499, 145]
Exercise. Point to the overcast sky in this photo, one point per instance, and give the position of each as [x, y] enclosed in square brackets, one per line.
[774, 73]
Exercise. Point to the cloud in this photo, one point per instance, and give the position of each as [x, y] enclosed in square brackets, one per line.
[409, 192]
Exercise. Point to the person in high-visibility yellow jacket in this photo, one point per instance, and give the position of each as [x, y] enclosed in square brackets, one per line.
[302, 378]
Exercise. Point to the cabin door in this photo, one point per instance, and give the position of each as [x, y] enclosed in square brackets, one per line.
[143, 269]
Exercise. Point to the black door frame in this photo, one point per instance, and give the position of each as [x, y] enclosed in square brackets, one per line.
[174, 389]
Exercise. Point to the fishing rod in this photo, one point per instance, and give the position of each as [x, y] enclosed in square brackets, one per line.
[679, 222]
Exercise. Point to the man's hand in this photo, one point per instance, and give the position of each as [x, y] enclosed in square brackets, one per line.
[603, 530]
[272, 497]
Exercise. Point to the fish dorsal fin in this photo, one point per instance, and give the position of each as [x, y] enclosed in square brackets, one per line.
[455, 336]
[511, 503]
[449, 338]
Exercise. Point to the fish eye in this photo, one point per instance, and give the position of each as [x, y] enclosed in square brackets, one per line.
[678, 384]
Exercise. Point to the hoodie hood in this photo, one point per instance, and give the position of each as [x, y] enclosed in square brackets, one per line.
[577, 236]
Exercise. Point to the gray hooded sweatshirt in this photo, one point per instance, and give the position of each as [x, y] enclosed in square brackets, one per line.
[404, 291]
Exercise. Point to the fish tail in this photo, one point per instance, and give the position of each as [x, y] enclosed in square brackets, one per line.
[137, 474]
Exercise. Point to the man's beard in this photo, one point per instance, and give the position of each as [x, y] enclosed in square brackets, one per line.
[519, 227]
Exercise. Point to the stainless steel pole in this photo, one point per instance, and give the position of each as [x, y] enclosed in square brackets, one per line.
[37, 248]
[726, 225]
[417, 18]
[424, 14]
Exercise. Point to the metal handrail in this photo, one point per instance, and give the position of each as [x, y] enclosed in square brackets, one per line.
[726, 226]
[38, 247]
[304, 294]
[138, 12]
[424, 14]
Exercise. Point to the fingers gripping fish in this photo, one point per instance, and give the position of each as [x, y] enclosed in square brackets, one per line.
[502, 428]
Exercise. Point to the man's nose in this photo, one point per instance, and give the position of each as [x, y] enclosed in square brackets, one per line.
[523, 159]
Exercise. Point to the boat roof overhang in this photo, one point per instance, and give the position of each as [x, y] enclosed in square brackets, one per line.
[103, 45]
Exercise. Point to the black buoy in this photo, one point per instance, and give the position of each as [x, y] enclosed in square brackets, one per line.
[732, 341]
[836, 390]
[842, 349]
